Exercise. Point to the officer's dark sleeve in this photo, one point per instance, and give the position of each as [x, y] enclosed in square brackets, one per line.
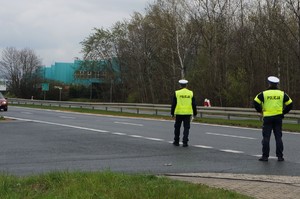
[256, 105]
[288, 107]
[194, 106]
[174, 103]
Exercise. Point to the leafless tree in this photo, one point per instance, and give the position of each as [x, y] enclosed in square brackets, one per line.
[226, 48]
[22, 69]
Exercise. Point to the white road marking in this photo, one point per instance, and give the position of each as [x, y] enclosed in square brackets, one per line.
[153, 119]
[234, 136]
[117, 133]
[226, 126]
[67, 117]
[171, 142]
[64, 125]
[138, 136]
[135, 136]
[270, 157]
[231, 151]
[203, 146]
[129, 123]
[155, 139]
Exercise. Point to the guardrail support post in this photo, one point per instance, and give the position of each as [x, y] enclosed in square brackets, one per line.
[137, 111]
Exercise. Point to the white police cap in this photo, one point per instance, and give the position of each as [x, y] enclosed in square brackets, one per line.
[273, 79]
[183, 81]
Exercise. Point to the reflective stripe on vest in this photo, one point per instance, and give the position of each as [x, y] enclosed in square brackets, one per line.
[184, 102]
[273, 102]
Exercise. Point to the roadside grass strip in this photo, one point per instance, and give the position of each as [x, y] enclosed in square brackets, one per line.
[106, 185]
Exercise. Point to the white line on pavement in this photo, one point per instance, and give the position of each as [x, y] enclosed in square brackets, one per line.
[270, 157]
[155, 139]
[66, 117]
[136, 136]
[231, 151]
[129, 123]
[64, 125]
[117, 133]
[203, 146]
[234, 136]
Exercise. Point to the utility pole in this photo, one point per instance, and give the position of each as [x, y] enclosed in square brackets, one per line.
[60, 88]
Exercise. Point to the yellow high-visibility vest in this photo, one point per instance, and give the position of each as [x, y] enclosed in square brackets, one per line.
[184, 102]
[273, 102]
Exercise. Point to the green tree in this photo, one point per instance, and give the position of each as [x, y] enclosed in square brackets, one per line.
[99, 52]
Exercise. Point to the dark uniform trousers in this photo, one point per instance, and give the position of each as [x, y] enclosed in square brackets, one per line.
[272, 123]
[186, 119]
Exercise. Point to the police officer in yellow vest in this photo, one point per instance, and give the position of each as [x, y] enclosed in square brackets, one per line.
[273, 104]
[183, 107]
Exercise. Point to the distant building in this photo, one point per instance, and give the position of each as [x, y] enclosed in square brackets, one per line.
[75, 73]
[59, 71]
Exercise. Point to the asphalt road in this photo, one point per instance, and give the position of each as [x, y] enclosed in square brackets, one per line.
[38, 141]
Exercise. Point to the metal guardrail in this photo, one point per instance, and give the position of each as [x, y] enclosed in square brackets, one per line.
[155, 109]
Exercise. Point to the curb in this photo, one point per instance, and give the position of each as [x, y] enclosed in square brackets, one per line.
[256, 186]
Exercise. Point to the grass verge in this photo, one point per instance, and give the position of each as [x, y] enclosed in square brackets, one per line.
[105, 185]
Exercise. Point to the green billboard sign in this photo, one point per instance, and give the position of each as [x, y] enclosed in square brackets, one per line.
[45, 86]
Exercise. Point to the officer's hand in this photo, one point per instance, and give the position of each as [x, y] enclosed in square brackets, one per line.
[192, 118]
[172, 116]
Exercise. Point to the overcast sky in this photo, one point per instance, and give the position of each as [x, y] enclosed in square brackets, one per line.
[54, 28]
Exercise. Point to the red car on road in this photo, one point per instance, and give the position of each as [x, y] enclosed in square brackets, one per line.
[3, 102]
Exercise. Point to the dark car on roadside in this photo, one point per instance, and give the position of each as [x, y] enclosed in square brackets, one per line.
[3, 102]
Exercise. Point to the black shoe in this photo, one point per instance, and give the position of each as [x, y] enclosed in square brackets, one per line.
[185, 145]
[176, 143]
[263, 158]
[280, 159]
